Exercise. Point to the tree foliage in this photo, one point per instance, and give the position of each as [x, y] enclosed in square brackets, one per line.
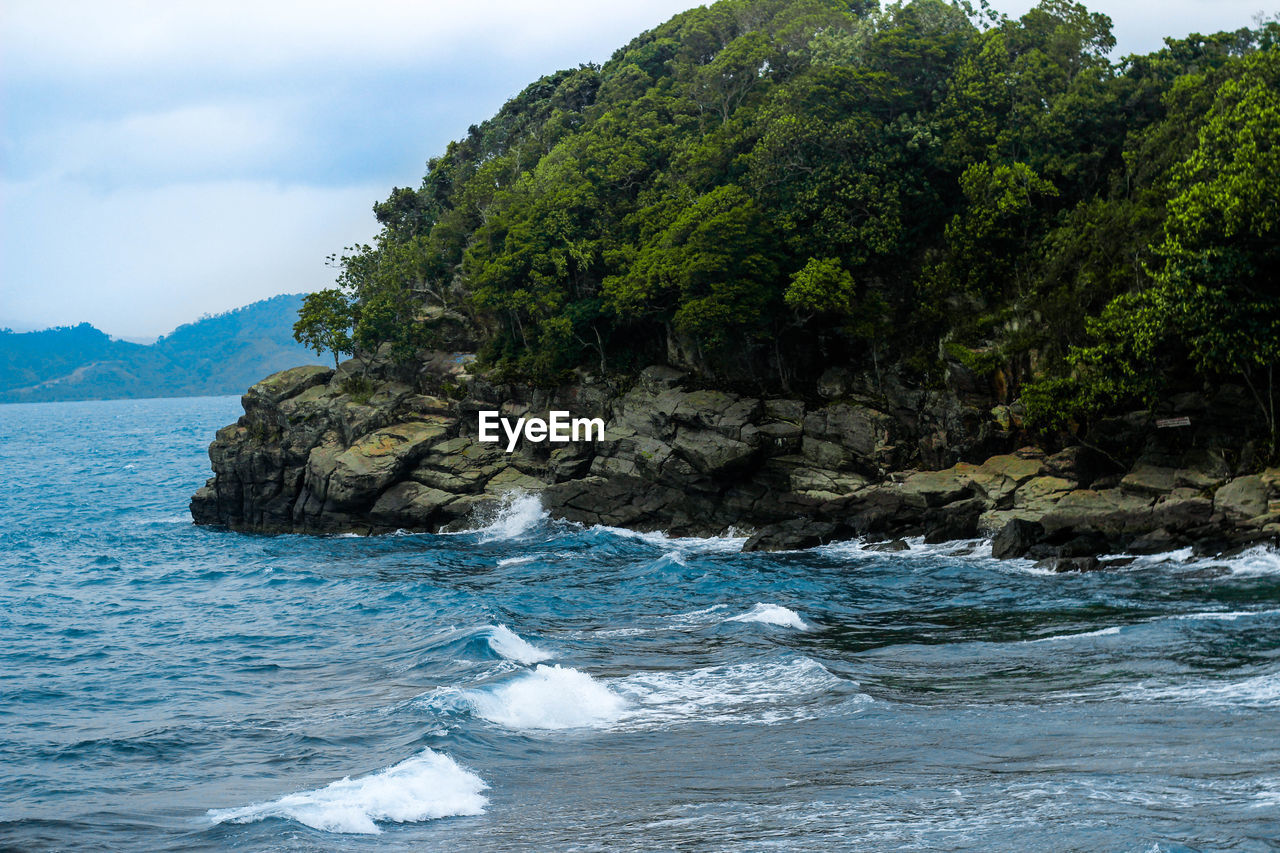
[759, 189]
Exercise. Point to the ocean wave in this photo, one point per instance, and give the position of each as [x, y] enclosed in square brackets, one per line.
[514, 516]
[427, 786]
[916, 547]
[1259, 691]
[760, 692]
[549, 697]
[1101, 632]
[772, 614]
[729, 543]
[512, 646]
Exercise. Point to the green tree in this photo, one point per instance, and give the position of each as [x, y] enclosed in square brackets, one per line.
[324, 323]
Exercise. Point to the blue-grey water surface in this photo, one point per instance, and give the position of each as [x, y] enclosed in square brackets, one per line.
[533, 685]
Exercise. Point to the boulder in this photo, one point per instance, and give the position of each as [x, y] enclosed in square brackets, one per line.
[710, 452]
[1150, 480]
[891, 546]
[957, 520]
[1242, 498]
[285, 384]
[936, 488]
[1016, 538]
[365, 468]
[409, 505]
[1070, 564]
[1000, 476]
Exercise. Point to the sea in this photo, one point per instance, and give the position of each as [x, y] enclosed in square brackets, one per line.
[536, 685]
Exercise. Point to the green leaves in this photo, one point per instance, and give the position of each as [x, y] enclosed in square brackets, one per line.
[324, 323]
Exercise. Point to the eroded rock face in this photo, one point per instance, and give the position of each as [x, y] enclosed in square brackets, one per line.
[319, 450]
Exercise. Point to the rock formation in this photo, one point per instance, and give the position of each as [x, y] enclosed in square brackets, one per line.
[363, 449]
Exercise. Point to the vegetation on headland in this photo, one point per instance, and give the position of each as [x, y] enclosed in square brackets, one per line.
[218, 354]
[762, 189]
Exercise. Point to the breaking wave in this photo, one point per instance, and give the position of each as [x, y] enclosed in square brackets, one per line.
[512, 646]
[427, 786]
[772, 614]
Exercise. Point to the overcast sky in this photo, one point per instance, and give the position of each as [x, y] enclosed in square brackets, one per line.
[161, 160]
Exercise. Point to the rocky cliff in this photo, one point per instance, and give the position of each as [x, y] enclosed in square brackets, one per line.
[365, 449]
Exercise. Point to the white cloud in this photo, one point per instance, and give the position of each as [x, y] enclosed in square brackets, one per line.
[195, 139]
[58, 38]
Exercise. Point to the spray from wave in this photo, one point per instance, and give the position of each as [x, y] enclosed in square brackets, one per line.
[425, 787]
[512, 646]
[549, 697]
[772, 614]
[514, 516]
[555, 697]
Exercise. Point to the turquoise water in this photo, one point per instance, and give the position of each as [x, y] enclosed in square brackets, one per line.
[532, 685]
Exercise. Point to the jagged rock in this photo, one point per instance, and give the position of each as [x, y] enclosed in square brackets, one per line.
[1080, 464]
[409, 504]
[1039, 495]
[1243, 497]
[1109, 511]
[935, 488]
[891, 546]
[285, 384]
[372, 447]
[1000, 476]
[1153, 542]
[364, 469]
[957, 520]
[795, 535]
[1016, 538]
[1070, 564]
[1149, 480]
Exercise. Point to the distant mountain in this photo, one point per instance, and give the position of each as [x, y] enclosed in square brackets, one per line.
[222, 354]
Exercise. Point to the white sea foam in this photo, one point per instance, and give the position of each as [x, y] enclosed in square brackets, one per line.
[1260, 691]
[772, 614]
[975, 549]
[427, 786]
[698, 618]
[554, 697]
[515, 561]
[1101, 632]
[754, 692]
[549, 697]
[730, 543]
[512, 646]
[1221, 615]
[515, 515]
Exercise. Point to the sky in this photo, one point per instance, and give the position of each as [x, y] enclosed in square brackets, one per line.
[164, 159]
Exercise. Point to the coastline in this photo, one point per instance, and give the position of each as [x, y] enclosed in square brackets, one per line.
[367, 450]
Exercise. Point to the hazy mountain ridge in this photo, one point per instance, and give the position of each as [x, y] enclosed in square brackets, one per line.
[221, 354]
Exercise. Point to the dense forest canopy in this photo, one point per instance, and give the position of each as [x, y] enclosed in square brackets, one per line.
[762, 189]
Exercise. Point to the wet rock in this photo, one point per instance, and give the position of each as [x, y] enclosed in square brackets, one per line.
[1154, 542]
[891, 546]
[409, 505]
[1016, 538]
[795, 535]
[1070, 564]
[954, 521]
